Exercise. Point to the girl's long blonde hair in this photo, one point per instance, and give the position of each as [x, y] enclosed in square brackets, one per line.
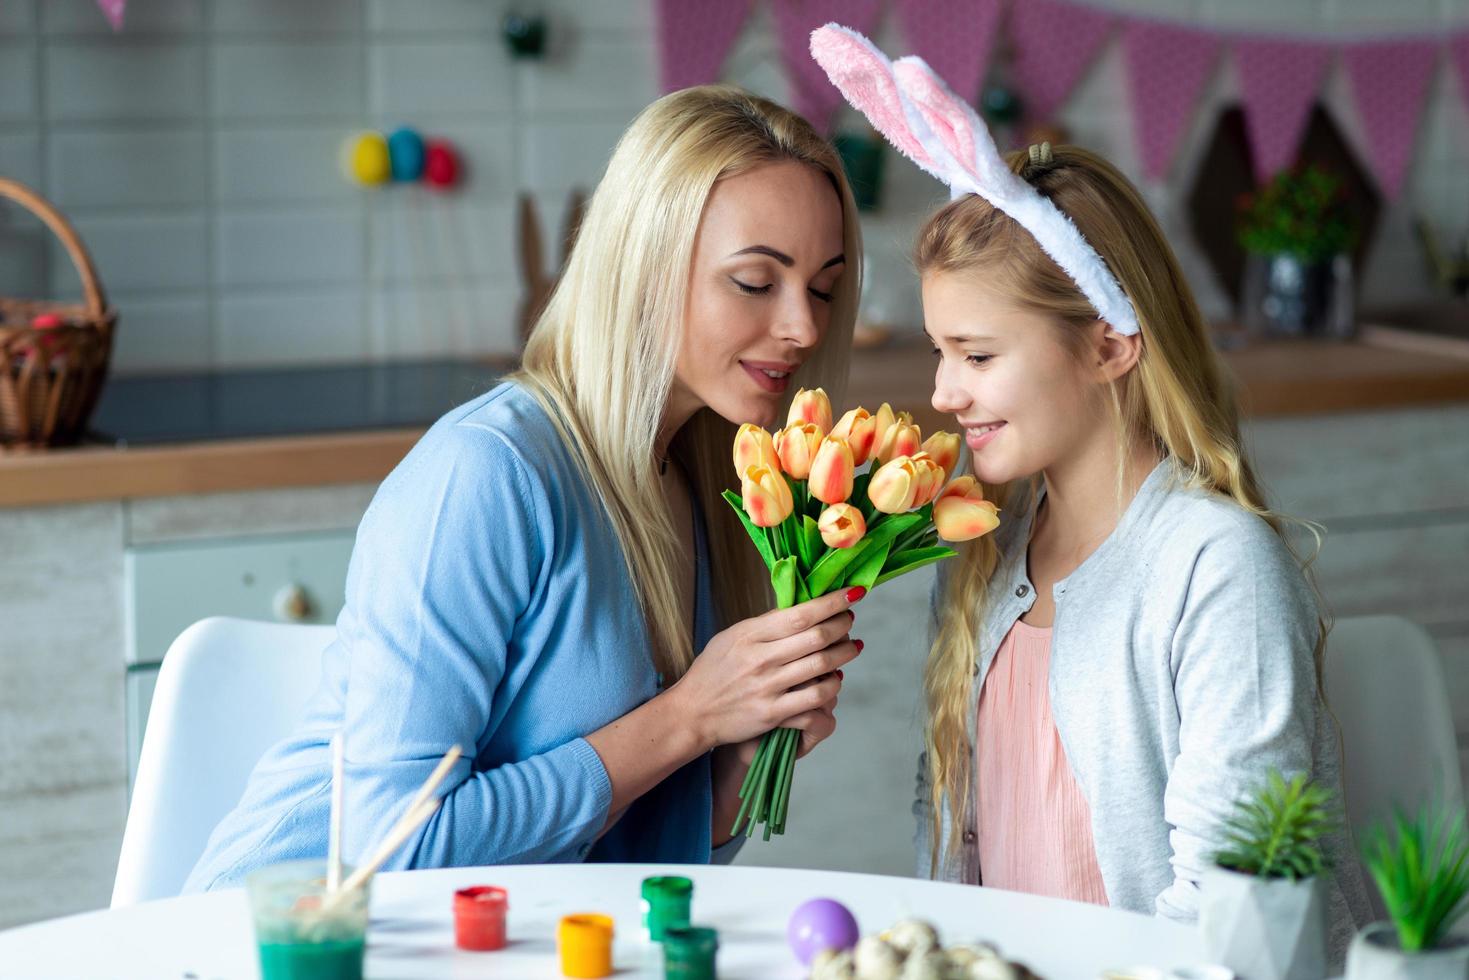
[1177, 397]
[601, 357]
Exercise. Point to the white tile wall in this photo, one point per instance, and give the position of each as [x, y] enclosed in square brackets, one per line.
[17, 80]
[260, 328]
[293, 80]
[107, 81]
[198, 153]
[151, 17]
[131, 168]
[297, 247]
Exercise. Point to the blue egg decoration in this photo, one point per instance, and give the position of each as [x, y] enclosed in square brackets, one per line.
[406, 151]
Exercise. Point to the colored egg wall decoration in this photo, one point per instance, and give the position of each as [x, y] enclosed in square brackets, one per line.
[403, 156]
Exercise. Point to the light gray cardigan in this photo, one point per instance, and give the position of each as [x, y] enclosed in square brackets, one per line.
[1182, 669]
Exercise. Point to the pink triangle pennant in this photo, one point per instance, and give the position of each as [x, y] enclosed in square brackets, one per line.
[812, 93]
[1278, 82]
[1389, 84]
[1054, 45]
[694, 39]
[114, 10]
[955, 37]
[1167, 67]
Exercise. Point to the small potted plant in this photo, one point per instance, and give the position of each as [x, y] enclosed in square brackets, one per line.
[1421, 868]
[1297, 232]
[1262, 905]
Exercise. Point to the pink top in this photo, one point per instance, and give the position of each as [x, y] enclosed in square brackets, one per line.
[1035, 830]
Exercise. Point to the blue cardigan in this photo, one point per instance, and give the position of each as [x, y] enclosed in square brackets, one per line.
[487, 605]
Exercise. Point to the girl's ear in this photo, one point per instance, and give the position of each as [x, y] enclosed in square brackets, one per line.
[1115, 353]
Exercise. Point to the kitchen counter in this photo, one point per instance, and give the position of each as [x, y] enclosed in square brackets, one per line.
[272, 429]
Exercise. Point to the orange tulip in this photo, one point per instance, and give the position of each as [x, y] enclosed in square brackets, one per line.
[811, 406]
[930, 478]
[766, 495]
[753, 447]
[943, 448]
[831, 473]
[841, 526]
[901, 439]
[860, 430]
[961, 512]
[796, 446]
[894, 486]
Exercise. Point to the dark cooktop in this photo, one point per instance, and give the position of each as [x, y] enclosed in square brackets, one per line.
[152, 409]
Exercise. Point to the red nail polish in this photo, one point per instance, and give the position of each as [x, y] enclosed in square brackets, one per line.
[855, 593]
[859, 645]
[840, 675]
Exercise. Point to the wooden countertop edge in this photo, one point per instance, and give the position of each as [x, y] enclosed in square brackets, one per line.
[106, 473]
[1283, 380]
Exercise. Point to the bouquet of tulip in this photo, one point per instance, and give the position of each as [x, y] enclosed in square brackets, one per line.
[822, 526]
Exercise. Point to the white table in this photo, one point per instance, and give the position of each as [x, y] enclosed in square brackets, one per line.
[411, 935]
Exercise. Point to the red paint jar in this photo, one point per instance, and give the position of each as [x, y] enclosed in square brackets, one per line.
[479, 917]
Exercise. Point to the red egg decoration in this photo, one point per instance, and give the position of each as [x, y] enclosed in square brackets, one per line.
[440, 164]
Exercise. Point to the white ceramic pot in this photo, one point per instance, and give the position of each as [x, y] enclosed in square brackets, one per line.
[1264, 928]
[1376, 955]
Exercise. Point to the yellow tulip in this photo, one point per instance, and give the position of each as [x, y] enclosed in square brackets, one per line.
[795, 447]
[766, 495]
[901, 439]
[961, 513]
[841, 526]
[811, 406]
[831, 474]
[860, 430]
[753, 447]
[894, 485]
[943, 448]
[882, 421]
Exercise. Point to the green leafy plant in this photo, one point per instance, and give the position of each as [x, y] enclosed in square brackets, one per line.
[1301, 211]
[1276, 831]
[1421, 867]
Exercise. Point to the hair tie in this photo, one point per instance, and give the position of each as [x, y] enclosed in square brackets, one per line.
[1040, 153]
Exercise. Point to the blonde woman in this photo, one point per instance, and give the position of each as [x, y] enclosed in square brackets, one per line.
[1136, 645]
[535, 578]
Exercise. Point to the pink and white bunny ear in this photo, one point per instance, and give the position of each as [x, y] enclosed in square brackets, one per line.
[965, 138]
[957, 127]
[909, 104]
[865, 77]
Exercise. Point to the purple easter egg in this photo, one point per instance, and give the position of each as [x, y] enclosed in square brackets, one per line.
[819, 924]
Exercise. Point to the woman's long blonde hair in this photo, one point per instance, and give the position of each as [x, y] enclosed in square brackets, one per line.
[1177, 397]
[601, 357]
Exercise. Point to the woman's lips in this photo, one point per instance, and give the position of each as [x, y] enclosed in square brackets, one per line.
[976, 437]
[759, 372]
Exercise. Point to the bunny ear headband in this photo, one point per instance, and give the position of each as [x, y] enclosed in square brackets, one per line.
[910, 105]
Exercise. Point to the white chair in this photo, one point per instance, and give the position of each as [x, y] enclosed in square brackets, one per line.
[227, 691]
[1385, 683]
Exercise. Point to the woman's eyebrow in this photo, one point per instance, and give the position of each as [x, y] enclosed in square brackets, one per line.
[783, 258]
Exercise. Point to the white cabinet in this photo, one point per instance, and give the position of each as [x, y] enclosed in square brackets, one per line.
[298, 578]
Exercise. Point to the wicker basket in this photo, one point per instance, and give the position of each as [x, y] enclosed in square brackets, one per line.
[53, 356]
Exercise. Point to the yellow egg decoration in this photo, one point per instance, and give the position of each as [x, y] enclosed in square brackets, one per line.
[365, 159]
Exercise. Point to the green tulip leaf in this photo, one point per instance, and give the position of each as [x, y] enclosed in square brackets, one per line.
[865, 572]
[757, 534]
[829, 570]
[902, 562]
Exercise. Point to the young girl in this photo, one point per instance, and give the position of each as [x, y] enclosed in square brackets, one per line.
[1136, 646]
[533, 581]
